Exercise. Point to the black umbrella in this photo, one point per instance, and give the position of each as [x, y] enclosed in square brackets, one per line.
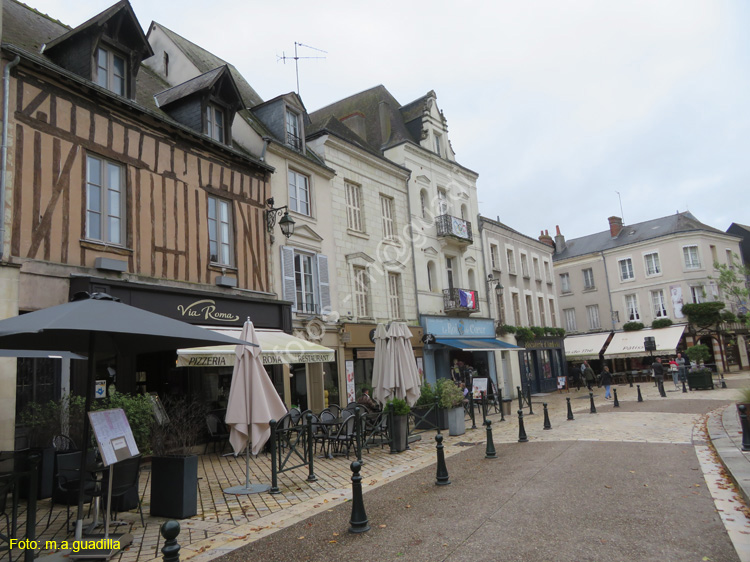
[100, 323]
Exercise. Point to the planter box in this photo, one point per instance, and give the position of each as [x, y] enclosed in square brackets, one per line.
[456, 421]
[400, 432]
[435, 418]
[45, 472]
[174, 486]
[700, 379]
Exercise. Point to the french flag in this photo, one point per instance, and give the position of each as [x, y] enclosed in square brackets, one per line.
[466, 299]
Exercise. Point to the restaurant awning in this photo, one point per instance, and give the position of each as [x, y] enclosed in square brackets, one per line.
[630, 344]
[277, 348]
[588, 346]
[478, 344]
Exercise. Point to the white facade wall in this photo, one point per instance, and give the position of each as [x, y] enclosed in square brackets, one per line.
[373, 177]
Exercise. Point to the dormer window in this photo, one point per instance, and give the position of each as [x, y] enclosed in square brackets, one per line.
[110, 71]
[293, 137]
[215, 122]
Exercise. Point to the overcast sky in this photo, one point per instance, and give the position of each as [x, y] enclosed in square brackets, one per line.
[557, 105]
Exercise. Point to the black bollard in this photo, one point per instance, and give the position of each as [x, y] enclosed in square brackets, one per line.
[617, 402]
[29, 553]
[660, 385]
[570, 411]
[745, 427]
[520, 397]
[630, 379]
[528, 396]
[442, 470]
[171, 549]
[684, 389]
[471, 411]
[723, 382]
[489, 452]
[358, 432]
[521, 431]
[547, 424]
[358, 522]
[593, 408]
[500, 401]
[640, 398]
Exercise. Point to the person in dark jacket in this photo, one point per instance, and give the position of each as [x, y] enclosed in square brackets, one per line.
[658, 369]
[606, 382]
[589, 376]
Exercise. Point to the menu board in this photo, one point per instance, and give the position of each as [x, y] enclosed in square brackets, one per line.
[113, 435]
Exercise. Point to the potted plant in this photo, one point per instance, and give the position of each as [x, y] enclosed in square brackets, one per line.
[174, 466]
[699, 377]
[426, 414]
[399, 430]
[452, 401]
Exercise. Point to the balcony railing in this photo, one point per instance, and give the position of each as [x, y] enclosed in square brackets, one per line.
[455, 228]
[460, 299]
[294, 141]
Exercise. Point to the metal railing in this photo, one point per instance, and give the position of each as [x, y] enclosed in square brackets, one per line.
[460, 299]
[294, 141]
[454, 227]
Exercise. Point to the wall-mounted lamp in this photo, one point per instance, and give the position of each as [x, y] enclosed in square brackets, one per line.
[498, 285]
[286, 223]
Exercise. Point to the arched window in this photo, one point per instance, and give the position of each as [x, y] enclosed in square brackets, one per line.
[431, 279]
[464, 212]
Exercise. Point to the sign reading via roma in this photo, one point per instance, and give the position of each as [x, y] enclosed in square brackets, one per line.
[205, 310]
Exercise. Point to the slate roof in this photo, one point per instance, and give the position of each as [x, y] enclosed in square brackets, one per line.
[513, 230]
[25, 30]
[197, 84]
[205, 62]
[633, 234]
[333, 126]
[367, 104]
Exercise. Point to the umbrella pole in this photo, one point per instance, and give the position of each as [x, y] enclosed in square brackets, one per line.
[247, 464]
[247, 488]
[86, 432]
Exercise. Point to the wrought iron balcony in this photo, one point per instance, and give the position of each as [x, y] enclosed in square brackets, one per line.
[294, 141]
[454, 228]
[460, 300]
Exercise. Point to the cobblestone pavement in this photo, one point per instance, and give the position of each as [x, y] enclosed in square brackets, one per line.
[226, 522]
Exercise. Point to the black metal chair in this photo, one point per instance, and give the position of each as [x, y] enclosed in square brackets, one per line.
[217, 432]
[68, 482]
[125, 494]
[294, 415]
[6, 487]
[335, 409]
[344, 437]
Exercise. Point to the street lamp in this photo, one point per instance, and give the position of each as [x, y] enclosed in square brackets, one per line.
[286, 223]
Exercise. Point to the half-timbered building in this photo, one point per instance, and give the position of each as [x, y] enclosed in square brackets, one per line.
[116, 181]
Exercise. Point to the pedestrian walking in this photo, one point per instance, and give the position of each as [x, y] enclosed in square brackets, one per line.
[588, 375]
[658, 370]
[674, 371]
[681, 371]
[606, 382]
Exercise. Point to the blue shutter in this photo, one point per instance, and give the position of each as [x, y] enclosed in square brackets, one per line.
[287, 274]
[323, 284]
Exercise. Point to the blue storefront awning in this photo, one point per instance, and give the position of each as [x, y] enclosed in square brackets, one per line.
[478, 344]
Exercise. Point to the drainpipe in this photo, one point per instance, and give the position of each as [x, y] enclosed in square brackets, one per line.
[4, 165]
[413, 254]
[609, 293]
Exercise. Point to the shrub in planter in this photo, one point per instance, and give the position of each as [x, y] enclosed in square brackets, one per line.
[698, 353]
[503, 329]
[174, 469]
[524, 334]
[538, 331]
[400, 427]
[632, 326]
[452, 400]
[426, 416]
[661, 323]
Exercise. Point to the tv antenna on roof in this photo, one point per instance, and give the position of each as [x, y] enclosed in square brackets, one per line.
[296, 58]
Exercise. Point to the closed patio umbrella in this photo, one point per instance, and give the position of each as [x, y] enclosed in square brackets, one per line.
[406, 384]
[253, 403]
[98, 322]
[379, 386]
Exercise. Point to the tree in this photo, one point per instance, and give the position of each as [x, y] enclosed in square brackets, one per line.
[733, 282]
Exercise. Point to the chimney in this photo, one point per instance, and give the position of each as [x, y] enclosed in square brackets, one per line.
[615, 226]
[559, 241]
[545, 238]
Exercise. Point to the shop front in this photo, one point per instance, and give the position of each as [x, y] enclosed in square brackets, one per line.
[129, 372]
[359, 356]
[542, 364]
[470, 341]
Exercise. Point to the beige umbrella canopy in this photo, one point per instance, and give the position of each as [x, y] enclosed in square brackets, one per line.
[379, 385]
[253, 403]
[401, 362]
